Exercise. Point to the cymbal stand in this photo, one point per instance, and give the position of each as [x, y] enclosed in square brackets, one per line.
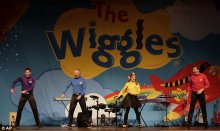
[116, 111]
[97, 117]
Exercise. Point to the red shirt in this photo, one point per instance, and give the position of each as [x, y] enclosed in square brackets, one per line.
[198, 82]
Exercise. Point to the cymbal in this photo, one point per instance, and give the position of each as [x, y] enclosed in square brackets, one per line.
[108, 110]
[94, 97]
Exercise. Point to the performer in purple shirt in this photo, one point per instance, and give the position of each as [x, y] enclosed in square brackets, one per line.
[27, 83]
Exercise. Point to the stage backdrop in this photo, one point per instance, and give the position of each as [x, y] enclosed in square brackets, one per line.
[160, 41]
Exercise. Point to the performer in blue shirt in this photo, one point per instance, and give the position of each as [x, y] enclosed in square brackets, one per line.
[27, 84]
[78, 85]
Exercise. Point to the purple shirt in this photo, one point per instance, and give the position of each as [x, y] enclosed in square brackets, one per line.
[27, 83]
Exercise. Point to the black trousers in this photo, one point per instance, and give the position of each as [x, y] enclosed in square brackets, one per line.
[136, 112]
[73, 103]
[23, 99]
[202, 102]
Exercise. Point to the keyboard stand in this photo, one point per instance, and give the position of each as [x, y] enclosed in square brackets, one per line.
[61, 100]
[142, 107]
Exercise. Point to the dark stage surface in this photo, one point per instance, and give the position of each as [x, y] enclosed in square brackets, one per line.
[54, 128]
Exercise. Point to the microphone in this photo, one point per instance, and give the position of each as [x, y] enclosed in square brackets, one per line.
[94, 97]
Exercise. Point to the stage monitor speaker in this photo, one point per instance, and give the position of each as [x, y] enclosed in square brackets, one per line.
[12, 118]
[82, 121]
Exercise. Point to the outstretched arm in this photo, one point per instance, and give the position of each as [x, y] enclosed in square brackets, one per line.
[66, 88]
[123, 90]
[13, 84]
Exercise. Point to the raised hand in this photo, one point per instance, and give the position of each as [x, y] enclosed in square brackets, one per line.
[12, 91]
[62, 95]
[79, 97]
[23, 92]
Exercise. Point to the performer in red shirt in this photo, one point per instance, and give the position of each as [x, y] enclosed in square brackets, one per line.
[198, 83]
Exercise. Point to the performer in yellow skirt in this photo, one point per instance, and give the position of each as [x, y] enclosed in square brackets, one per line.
[131, 89]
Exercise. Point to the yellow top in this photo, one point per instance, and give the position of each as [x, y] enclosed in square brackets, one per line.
[131, 88]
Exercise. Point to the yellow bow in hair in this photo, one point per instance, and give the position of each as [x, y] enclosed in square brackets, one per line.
[131, 74]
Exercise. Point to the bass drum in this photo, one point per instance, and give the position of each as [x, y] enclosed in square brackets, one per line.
[90, 102]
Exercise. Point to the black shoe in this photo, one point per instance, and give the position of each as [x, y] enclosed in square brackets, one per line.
[89, 120]
[206, 125]
[140, 126]
[188, 125]
[125, 126]
[89, 126]
[17, 126]
[67, 126]
[38, 125]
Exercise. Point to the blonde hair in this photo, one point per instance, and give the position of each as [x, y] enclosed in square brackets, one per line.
[129, 78]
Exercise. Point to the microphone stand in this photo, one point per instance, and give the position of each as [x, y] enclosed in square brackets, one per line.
[116, 113]
[97, 117]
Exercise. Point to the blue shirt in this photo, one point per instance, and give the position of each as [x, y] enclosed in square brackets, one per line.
[27, 83]
[78, 85]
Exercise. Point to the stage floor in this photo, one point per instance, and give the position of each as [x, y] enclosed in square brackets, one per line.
[173, 128]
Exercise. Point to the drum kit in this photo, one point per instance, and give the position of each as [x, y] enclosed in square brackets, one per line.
[100, 106]
[109, 108]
